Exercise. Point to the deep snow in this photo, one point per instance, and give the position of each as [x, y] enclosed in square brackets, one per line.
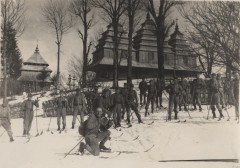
[198, 138]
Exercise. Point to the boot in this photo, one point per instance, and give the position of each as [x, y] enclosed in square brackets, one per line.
[104, 148]
[82, 147]
[176, 117]
[146, 113]
[214, 114]
[140, 121]
[169, 118]
[152, 111]
[58, 128]
[72, 126]
[63, 127]
[24, 133]
[11, 139]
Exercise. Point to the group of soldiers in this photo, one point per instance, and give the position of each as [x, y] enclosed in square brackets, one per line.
[107, 109]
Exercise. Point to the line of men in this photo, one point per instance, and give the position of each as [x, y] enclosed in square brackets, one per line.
[183, 93]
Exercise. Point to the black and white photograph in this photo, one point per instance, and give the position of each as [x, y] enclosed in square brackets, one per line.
[119, 84]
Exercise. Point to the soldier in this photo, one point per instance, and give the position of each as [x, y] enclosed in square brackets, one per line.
[62, 104]
[27, 108]
[184, 94]
[143, 91]
[236, 94]
[228, 90]
[174, 89]
[215, 96]
[5, 119]
[104, 102]
[152, 90]
[96, 133]
[118, 103]
[124, 94]
[198, 84]
[160, 88]
[79, 106]
[93, 97]
[220, 90]
[132, 103]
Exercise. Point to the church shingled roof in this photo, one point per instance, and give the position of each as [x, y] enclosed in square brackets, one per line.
[36, 58]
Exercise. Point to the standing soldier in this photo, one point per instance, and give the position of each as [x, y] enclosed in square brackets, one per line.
[152, 90]
[124, 94]
[132, 103]
[93, 97]
[174, 90]
[143, 91]
[160, 88]
[198, 84]
[104, 102]
[5, 118]
[27, 108]
[215, 96]
[236, 94]
[220, 90]
[118, 103]
[61, 110]
[184, 94]
[79, 106]
[228, 90]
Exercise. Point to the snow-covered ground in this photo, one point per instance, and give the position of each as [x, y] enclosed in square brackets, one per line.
[195, 139]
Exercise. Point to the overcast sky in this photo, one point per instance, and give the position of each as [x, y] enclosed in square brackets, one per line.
[37, 30]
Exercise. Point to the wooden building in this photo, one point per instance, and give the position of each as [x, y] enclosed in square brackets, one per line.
[35, 74]
[177, 55]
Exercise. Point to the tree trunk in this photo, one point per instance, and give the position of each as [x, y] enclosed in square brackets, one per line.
[58, 66]
[85, 58]
[130, 43]
[5, 53]
[115, 54]
[160, 44]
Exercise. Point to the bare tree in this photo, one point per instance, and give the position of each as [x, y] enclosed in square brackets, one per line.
[162, 27]
[82, 9]
[12, 12]
[55, 13]
[113, 11]
[134, 8]
[216, 23]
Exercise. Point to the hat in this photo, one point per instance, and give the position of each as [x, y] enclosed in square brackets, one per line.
[29, 95]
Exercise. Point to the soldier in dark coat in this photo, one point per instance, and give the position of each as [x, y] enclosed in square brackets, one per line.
[118, 103]
[132, 103]
[228, 90]
[221, 90]
[62, 105]
[215, 98]
[5, 119]
[143, 91]
[27, 108]
[160, 88]
[152, 91]
[79, 106]
[174, 89]
[236, 94]
[96, 133]
[104, 102]
[198, 85]
[184, 94]
[124, 94]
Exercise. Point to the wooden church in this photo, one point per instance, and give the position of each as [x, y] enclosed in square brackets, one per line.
[178, 57]
[35, 74]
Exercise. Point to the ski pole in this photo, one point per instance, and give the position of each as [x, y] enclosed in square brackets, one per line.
[36, 124]
[73, 147]
[2, 133]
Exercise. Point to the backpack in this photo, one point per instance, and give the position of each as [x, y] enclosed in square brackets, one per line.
[82, 128]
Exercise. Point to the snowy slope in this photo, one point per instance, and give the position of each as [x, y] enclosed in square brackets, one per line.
[198, 138]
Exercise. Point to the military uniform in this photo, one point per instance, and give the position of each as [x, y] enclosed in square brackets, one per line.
[79, 106]
[160, 88]
[221, 90]
[132, 103]
[5, 120]
[104, 102]
[184, 94]
[62, 104]
[215, 99]
[228, 91]
[124, 94]
[27, 107]
[118, 103]
[143, 91]
[152, 90]
[174, 89]
[198, 85]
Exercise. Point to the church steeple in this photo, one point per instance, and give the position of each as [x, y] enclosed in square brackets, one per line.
[176, 27]
[37, 50]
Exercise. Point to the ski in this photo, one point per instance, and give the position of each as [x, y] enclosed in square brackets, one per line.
[110, 157]
[148, 123]
[135, 138]
[179, 121]
[149, 148]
